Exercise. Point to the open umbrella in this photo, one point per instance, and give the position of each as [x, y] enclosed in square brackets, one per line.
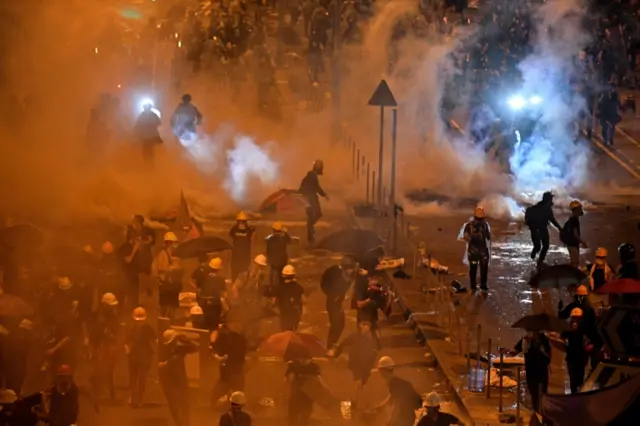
[621, 286]
[13, 307]
[541, 322]
[22, 235]
[557, 276]
[287, 343]
[284, 201]
[201, 246]
[356, 242]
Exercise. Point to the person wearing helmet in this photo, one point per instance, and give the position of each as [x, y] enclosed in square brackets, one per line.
[403, 398]
[537, 218]
[105, 329]
[577, 349]
[126, 257]
[212, 296]
[185, 119]
[196, 318]
[570, 233]
[600, 273]
[146, 131]
[139, 346]
[247, 306]
[477, 234]
[145, 240]
[536, 348]
[628, 263]
[310, 188]
[335, 282]
[433, 416]
[172, 373]
[236, 416]
[110, 274]
[167, 270]
[277, 255]
[241, 235]
[62, 399]
[290, 300]
[589, 320]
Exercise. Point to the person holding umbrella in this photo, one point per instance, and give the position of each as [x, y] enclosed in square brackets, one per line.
[242, 236]
[589, 320]
[536, 348]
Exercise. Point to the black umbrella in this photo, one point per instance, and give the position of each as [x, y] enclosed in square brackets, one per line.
[22, 235]
[542, 322]
[557, 276]
[356, 242]
[201, 246]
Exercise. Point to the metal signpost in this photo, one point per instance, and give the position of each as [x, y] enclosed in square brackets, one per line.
[620, 330]
[382, 97]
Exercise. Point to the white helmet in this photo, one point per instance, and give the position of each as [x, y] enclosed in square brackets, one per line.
[168, 335]
[261, 260]
[432, 400]
[109, 299]
[196, 310]
[385, 363]
[215, 263]
[170, 237]
[26, 324]
[288, 271]
[238, 398]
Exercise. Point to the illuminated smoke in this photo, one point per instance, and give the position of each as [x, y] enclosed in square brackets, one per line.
[555, 160]
[248, 161]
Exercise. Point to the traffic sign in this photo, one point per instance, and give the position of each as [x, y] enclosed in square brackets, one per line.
[382, 96]
[620, 330]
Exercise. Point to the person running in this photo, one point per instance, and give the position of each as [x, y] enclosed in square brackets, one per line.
[537, 218]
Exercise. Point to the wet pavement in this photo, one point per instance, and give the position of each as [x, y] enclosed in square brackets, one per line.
[265, 377]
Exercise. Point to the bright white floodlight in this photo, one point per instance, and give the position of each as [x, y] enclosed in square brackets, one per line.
[517, 102]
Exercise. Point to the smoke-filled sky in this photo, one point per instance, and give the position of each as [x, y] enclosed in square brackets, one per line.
[50, 172]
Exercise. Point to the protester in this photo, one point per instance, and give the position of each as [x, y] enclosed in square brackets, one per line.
[236, 416]
[537, 218]
[242, 235]
[435, 417]
[537, 364]
[335, 283]
[403, 398]
[477, 234]
[139, 347]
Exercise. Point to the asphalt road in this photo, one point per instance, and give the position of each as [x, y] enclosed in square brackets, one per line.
[265, 378]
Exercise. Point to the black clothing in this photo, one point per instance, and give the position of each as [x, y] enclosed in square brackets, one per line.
[540, 240]
[235, 418]
[234, 346]
[576, 358]
[537, 218]
[362, 355]
[64, 408]
[537, 358]
[300, 406]
[241, 256]
[335, 286]
[478, 235]
[444, 419]
[277, 255]
[141, 341]
[311, 189]
[210, 299]
[290, 303]
[405, 400]
[629, 270]
[570, 228]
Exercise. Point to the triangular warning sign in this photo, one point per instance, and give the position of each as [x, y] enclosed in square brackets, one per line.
[382, 96]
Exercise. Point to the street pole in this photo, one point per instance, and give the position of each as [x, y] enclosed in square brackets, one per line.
[335, 72]
[380, 155]
[392, 190]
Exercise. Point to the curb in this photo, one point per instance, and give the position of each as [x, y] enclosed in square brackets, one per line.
[421, 336]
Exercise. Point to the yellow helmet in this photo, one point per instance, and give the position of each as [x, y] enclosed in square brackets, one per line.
[602, 252]
[241, 216]
[215, 263]
[581, 290]
[277, 226]
[170, 237]
[288, 271]
[479, 213]
[575, 204]
[576, 312]
[139, 314]
[107, 247]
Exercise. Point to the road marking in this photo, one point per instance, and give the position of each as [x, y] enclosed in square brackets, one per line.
[596, 139]
[628, 137]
